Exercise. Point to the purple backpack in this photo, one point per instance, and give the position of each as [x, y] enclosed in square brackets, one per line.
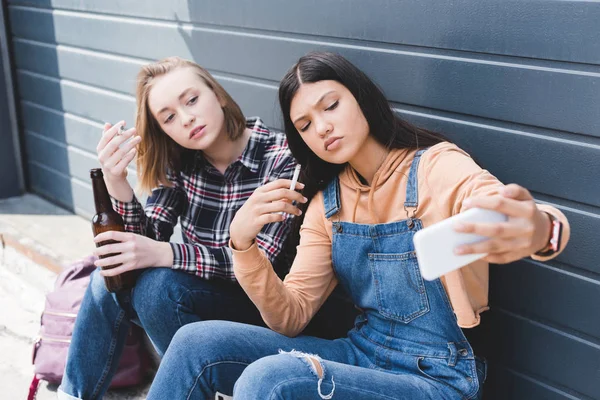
[51, 348]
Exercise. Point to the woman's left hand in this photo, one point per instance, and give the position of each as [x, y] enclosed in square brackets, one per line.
[133, 252]
[525, 233]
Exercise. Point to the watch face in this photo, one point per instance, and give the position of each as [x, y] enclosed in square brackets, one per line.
[556, 236]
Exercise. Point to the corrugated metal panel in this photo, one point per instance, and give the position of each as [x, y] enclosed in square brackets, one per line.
[515, 83]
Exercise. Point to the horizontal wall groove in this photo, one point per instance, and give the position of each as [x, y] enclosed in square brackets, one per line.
[508, 61]
[80, 85]
[561, 330]
[84, 50]
[567, 270]
[498, 125]
[60, 113]
[218, 74]
[577, 207]
[551, 386]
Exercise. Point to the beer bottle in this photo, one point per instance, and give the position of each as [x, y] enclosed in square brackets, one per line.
[107, 219]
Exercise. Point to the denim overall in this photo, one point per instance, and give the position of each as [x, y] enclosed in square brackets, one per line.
[407, 324]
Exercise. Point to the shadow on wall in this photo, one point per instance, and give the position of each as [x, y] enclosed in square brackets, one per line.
[40, 104]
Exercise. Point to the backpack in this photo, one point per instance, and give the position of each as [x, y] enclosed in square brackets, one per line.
[57, 321]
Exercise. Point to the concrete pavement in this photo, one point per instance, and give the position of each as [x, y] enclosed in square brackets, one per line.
[37, 239]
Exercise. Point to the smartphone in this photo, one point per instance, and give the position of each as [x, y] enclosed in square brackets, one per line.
[435, 244]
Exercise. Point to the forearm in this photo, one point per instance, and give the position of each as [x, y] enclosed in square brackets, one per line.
[119, 189]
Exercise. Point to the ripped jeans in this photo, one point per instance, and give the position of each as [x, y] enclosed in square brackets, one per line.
[256, 363]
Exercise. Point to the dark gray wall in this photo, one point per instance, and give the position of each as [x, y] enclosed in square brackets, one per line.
[516, 83]
[11, 174]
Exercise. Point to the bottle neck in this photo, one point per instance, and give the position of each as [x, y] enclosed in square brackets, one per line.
[101, 196]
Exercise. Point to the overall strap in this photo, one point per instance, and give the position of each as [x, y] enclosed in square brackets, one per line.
[331, 197]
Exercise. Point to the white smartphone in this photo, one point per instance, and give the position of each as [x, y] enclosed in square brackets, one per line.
[435, 244]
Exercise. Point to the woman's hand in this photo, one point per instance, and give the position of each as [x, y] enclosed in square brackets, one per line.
[114, 159]
[136, 252]
[265, 206]
[526, 232]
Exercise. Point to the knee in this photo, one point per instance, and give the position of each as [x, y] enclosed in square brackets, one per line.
[156, 291]
[205, 338]
[97, 288]
[272, 373]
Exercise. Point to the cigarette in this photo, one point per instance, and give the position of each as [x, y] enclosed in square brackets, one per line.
[294, 181]
[295, 177]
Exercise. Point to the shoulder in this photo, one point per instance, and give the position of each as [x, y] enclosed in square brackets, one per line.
[445, 157]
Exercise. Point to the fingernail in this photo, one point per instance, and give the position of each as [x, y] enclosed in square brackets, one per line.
[299, 212]
[459, 251]
[305, 199]
[507, 191]
[467, 203]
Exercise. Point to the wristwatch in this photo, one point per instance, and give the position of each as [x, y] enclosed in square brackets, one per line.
[554, 242]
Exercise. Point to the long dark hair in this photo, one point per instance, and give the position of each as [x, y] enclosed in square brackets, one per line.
[384, 125]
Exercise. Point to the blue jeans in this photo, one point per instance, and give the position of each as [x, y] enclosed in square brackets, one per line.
[162, 301]
[256, 363]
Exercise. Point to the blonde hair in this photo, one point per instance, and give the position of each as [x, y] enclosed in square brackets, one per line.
[157, 152]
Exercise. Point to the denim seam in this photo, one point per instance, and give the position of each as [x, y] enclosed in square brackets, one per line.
[441, 357]
[187, 292]
[475, 378]
[211, 365]
[356, 389]
[111, 352]
[441, 382]
[178, 301]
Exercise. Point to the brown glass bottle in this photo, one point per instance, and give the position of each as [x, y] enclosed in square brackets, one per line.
[107, 219]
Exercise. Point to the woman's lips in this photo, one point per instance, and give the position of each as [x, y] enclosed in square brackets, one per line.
[332, 143]
[196, 133]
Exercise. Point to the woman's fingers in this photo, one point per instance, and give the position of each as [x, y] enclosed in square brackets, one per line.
[127, 158]
[106, 136]
[278, 207]
[113, 260]
[112, 248]
[498, 230]
[509, 207]
[118, 270]
[114, 235]
[113, 144]
[279, 184]
[517, 192]
[283, 194]
[121, 152]
[492, 246]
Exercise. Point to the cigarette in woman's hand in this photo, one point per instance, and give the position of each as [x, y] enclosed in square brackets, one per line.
[295, 177]
[294, 181]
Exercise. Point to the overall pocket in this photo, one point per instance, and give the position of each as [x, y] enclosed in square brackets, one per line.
[399, 287]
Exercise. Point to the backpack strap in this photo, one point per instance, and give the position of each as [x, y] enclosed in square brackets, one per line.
[33, 388]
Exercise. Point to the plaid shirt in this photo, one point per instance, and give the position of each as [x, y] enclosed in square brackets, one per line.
[206, 201]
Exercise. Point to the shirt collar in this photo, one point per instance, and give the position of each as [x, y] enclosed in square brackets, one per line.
[252, 156]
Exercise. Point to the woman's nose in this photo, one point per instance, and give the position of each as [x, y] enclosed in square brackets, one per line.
[324, 128]
[188, 119]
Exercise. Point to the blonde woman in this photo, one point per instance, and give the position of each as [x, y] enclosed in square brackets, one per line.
[201, 160]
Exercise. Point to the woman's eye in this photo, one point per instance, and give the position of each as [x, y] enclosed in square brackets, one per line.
[193, 100]
[333, 106]
[169, 118]
[305, 127]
